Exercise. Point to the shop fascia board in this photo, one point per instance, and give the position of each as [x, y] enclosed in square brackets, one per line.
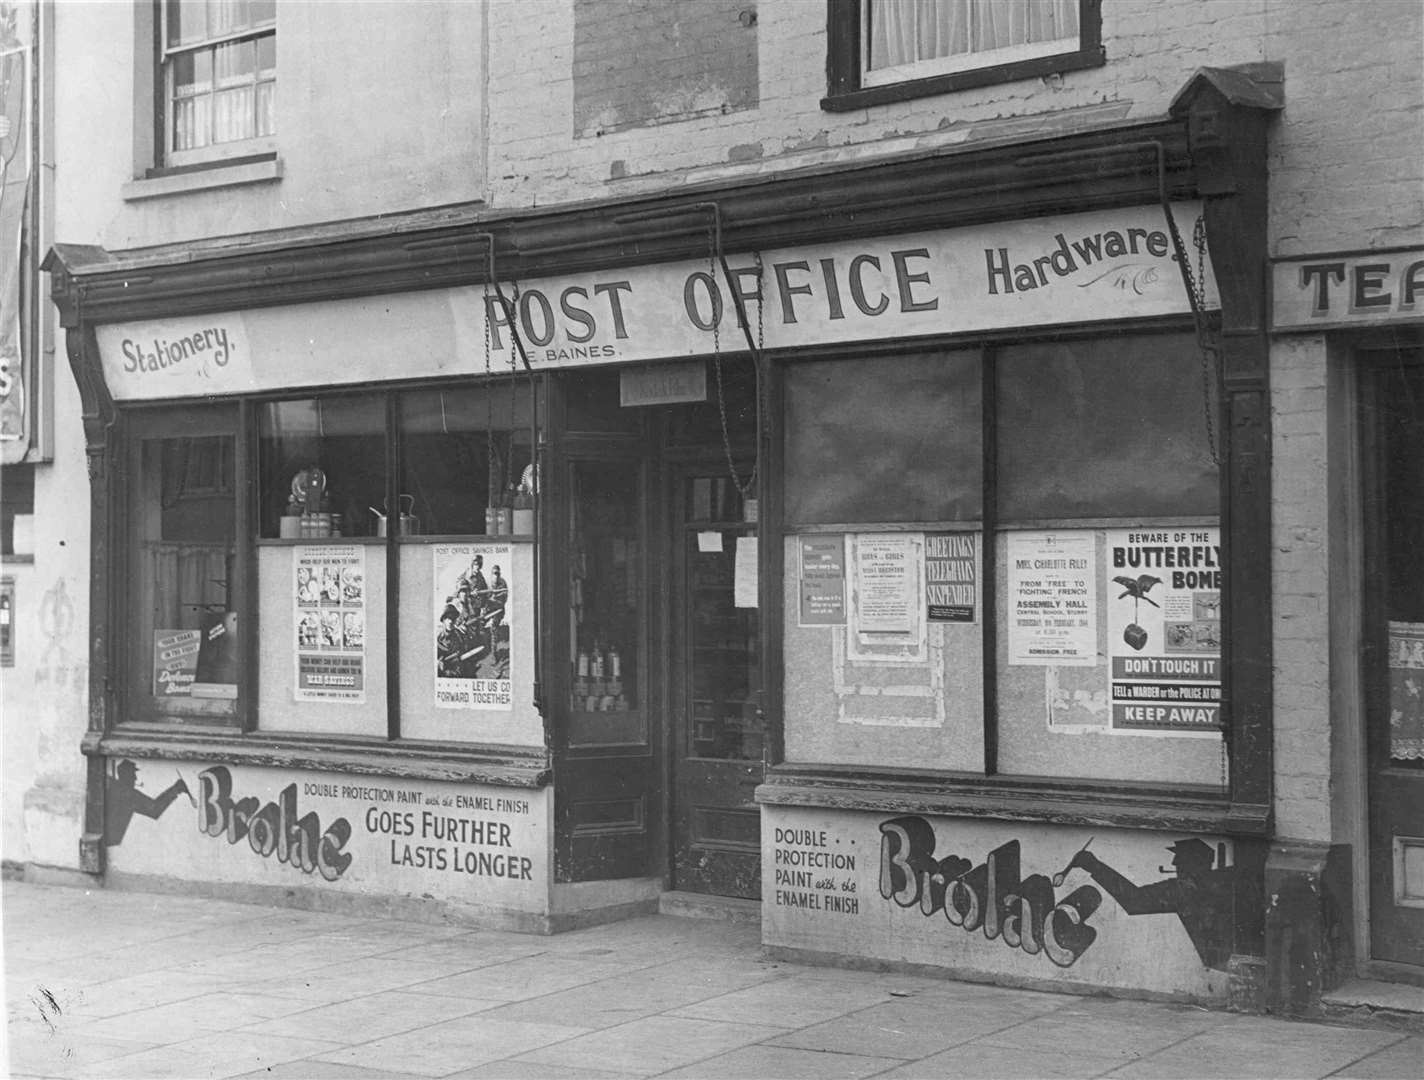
[1056, 801]
[936, 189]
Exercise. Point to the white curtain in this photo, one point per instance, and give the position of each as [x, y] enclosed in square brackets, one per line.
[903, 31]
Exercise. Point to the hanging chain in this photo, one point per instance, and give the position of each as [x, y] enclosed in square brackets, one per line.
[513, 408]
[1210, 353]
[1195, 285]
[748, 488]
[489, 404]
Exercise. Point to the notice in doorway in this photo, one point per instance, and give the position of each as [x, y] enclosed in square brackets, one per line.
[1052, 599]
[951, 573]
[471, 626]
[822, 580]
[744, 574]
[1163, 598]
[1406, 691]
[329, 595]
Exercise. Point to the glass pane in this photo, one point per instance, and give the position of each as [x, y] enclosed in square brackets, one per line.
[187, 21]
[323, 467]
[888, 439]
[722, 655]
[184, 510]
[904, 31]
[464, 452]
[605, 585]
[701, 423]
[1113, 427]
[233, 63]
[1401, 426]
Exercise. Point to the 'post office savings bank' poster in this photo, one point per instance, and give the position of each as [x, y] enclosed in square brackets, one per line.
[1163, 597]
[329, 593]
[471, 626]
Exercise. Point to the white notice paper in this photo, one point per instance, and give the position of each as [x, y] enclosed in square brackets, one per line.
[744, 573]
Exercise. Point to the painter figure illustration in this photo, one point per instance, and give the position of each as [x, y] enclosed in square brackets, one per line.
[123, 799]
[1200, 894]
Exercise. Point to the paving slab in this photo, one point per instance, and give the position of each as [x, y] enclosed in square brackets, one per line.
[107, 984]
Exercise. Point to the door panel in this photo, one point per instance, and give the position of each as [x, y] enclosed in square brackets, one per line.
[1395, 573]
[716, 721]
[608, 774]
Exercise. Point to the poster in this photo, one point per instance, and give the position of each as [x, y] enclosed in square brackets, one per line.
[175, 661]
[951, 570]
[1052, 598]
[1163, 598]
[470, 630]
[822, 581]
[886, 619]
[17, 269]
[744, 573]
[329, 593]
[1406, 691]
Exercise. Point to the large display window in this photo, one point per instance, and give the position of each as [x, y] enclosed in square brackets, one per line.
[380, 542]
[1008, 559]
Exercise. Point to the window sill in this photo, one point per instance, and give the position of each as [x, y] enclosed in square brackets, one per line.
[1037, 68]
[1014, 798]
[500, 766]
[220, 176]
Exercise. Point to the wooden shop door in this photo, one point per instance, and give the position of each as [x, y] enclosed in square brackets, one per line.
[715, 729]
[1394, 576]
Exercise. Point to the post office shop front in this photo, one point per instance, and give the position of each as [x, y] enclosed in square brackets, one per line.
[833, 540]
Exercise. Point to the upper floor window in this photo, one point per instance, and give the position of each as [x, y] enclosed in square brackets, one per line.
[219, 78]
[890, 50]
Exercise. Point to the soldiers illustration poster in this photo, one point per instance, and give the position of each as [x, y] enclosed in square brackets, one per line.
[471, 627]
[329, 597]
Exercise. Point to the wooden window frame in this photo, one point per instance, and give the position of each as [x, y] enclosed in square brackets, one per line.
[845, 89]
[215, 153]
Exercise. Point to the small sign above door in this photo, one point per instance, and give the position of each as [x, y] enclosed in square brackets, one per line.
[663, 384]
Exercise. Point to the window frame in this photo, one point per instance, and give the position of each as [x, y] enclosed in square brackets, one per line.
[215, 153]
[848, 89]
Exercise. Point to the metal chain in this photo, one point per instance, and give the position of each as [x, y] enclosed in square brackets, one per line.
[489, 402]
[1210, 354]
[749, 487]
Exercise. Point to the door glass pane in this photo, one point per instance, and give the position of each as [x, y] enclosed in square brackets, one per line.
[184, 509]
[1402, 427]
[605, 587]
[722, 659]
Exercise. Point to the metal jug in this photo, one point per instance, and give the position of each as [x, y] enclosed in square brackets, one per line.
[408, 524]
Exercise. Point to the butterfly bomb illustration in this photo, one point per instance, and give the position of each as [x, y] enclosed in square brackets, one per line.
[1137, 588]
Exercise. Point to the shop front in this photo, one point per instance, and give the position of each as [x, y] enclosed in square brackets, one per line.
[858, 542]
[1357, 318]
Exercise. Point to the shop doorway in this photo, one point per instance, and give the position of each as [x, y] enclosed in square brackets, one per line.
[715, 721]
[1394, 575]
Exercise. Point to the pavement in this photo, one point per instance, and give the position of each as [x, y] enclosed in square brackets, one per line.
[104, 983]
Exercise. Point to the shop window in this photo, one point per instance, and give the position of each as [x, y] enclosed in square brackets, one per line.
[885, 439]
[184, 587]
[1108, 428]
[218, 79]
[1090, 477]
[889, 50]
[323, 464]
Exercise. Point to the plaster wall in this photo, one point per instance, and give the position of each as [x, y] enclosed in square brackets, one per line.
[380, 109]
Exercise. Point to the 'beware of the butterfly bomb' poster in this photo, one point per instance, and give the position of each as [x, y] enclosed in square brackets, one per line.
[1162, 592]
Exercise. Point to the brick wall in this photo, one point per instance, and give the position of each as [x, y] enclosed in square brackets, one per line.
[1300, 587]
[643, 62]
